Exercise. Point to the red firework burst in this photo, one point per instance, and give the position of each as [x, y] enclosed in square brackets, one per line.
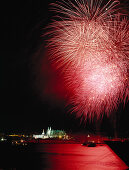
[89, 43]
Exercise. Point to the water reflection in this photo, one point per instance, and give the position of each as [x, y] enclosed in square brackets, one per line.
[77, 157]
[63, 157]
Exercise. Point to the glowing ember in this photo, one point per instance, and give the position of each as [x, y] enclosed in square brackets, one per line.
[90, 46]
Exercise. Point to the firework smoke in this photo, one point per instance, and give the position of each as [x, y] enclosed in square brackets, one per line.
[89, 44]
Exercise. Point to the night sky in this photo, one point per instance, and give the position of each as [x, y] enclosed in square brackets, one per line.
[31, 92]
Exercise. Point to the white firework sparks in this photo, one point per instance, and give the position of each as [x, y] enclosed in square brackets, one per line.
[89, 43]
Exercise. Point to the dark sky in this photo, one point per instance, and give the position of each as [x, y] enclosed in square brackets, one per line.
[29, 103]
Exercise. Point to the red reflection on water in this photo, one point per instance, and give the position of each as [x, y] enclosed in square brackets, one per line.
[78, 157]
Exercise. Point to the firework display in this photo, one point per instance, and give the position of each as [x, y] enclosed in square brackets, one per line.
[89, 45]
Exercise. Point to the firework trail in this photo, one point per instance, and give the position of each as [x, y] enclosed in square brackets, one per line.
[89, 44]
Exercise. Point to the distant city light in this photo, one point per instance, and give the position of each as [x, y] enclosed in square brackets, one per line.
[50, 133]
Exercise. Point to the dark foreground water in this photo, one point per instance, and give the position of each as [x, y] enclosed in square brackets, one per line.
[59, 157]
